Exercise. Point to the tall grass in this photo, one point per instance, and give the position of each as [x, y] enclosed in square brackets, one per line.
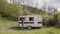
[6, 28]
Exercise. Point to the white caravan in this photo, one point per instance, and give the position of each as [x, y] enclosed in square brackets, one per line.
[30, 21]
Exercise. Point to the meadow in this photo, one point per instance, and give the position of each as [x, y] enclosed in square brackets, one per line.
[11, 27]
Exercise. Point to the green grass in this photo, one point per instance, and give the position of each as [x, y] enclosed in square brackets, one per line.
[5, 28]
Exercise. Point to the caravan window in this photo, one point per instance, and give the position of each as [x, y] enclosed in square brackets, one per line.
[31, 18]
[22, 18]
[39, 22]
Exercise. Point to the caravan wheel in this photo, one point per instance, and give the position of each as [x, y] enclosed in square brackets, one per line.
[29, 27]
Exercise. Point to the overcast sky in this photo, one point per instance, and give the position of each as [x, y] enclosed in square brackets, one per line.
[54, 3]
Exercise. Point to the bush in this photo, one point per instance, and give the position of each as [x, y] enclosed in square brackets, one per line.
[10, 11]
[52, 20]
[48, 20]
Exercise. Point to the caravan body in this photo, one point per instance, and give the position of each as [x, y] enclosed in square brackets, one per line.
[30, 20]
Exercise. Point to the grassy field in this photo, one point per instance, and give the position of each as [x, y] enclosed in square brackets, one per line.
[10, 27]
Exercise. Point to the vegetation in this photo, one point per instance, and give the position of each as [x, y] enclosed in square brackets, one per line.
[10, 11]
[13, 11]
[9, 14]
[10, 27]
[52, 19]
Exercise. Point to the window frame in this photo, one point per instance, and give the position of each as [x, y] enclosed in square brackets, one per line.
[22, 18]
[31, 18]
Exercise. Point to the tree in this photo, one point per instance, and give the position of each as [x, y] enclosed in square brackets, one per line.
[10, 11]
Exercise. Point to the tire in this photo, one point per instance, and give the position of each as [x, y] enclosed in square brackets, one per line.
[29, 27]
